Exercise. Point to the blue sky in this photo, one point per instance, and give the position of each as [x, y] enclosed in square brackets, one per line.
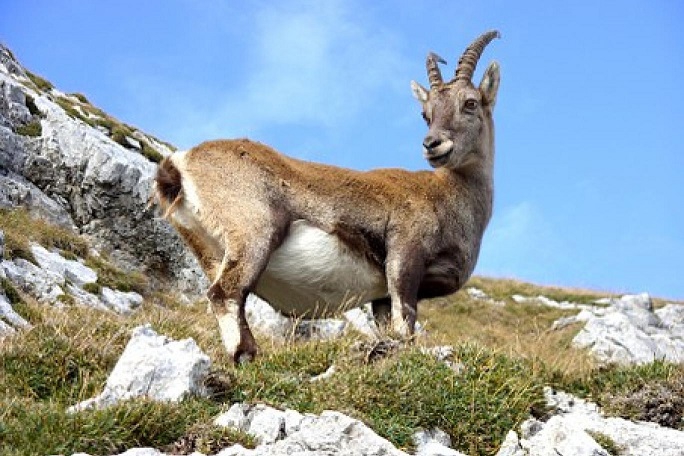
[590, 115]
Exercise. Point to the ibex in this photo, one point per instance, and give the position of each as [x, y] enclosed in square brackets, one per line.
[313, 239]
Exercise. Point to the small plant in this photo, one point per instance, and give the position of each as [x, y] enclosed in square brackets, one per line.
[93, 287]
[80, 97]
[67, 299]
[42, 84]
[151, 153]
[31, 105]
[68, 107]
[606, 443]
[9, 291]
[31, 129]
[110, 276]
[21, 229]
[209, 439]
[119, 133]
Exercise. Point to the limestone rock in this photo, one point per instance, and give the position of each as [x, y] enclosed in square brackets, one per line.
[120, 301]
[86, 299]
[266, 320]
[8, 314]
[75, 175]
[44, 285]
[434, 442]
[156, 367]
[569, 432]
[71, 270]
[362, 320]
[630, 332]
[480, 295]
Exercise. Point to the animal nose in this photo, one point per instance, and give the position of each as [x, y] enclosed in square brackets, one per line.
[431, 142]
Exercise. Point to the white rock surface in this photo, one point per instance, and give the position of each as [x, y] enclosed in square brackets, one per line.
[332, 433]
[73, 271]
[630, 332]
[45, 286]
[266, 320]
[120, 301]
[548, 302]
[5, 329]
[8, 314]
[78, 177]
[480, 295]
[87, 299]
[362, 320]
[434, 442]
[569, 431]
[156, 367]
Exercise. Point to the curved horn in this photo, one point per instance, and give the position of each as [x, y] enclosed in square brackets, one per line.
[468, 61]
[434, 75]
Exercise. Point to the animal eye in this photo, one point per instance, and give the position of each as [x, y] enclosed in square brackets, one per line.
[470, 104]
[425, 117]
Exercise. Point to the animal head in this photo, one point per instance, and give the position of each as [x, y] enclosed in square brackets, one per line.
[458, 114]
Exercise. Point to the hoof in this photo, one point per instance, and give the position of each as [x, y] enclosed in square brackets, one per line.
[244, 356]
[216, 293]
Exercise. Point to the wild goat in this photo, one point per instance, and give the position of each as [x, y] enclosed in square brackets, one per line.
[313, 239]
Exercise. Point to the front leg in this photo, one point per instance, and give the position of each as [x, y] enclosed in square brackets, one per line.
[405, 269]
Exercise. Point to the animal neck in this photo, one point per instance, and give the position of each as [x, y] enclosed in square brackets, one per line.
[475, 183]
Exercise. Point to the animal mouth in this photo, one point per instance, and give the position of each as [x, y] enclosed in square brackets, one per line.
[439, 160]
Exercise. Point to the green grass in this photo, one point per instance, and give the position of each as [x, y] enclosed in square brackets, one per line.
[68, 106]
[119, 133]
[9, 291]
[32, 129]
[31, 105]
[68, 354]
[507, 356]
[150, 152]
[41, 84]
[80, 97]
[503, 289]
[606, 443]
[21, 229]
[111, 276]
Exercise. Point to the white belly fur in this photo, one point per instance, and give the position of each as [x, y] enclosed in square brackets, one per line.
[314, 274]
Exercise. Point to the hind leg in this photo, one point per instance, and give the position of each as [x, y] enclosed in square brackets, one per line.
[246, 256]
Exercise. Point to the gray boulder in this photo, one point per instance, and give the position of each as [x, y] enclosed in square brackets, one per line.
[123, 302]
[630, 332]
[331, 433]
[8, 314]
[43, 285]
[569, 432]
[76, 176]
[434, 442]
[73, 271]
[155, 367]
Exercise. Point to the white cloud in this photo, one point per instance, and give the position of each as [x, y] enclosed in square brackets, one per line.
[310, 63]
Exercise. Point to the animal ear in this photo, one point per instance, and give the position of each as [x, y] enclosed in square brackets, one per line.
[489, 85]
[419, 92]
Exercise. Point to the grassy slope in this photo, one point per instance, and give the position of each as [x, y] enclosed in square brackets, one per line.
[507, 355]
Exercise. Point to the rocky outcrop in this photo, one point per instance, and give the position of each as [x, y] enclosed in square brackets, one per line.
[628, 330]
[56, 280]
[576, 425]
[154, 367]
[625, 330]
[71, 171]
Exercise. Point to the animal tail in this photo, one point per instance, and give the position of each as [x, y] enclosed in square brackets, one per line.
[168, 188]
